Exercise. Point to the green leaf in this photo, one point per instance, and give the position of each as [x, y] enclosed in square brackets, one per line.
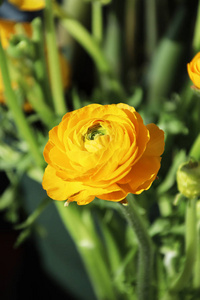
[26, 233]
[22, 237]
[7, 197]
[136, 98]
[31, 219]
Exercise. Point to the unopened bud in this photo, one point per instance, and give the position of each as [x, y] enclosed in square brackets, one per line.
[20, 47]
[188, 179]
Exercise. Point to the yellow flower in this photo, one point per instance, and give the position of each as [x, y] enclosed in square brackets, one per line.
[194, 70]
[103, 151]
[28, 5]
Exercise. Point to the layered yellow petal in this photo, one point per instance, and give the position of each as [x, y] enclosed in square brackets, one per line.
[155, 146]
[144, 170]
[193, 69]
[57, 188]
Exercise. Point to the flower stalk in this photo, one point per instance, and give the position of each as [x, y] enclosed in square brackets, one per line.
[89, 247]
[85, 39]
[191, 244]
[97, 22]
[40, 64]
[196, 278]
[145, 263]
[196, 39]
[53, 60]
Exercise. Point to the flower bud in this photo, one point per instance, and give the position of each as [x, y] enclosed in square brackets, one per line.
[188, 179]
[20, 47]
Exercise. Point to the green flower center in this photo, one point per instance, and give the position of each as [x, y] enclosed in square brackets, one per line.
[95, 131]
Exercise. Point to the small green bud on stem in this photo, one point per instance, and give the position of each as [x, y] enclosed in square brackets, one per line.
[188, 179]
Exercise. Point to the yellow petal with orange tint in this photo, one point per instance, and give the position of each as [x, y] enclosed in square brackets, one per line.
[144, 170]
[155, 146]
[193, 69]
[195, 77]
[57, 188]
[114, 196]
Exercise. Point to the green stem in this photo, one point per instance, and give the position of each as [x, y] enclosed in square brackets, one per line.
[82, 36]
[196, 279]
[40, 64]
[81, 227]
[166, 57]
[35, 97]
[145, 263]
[17, 112]
[53, 60]
[151, 27]
[196, 39]
[198, 116]
[191, 243]
[97, 23]
[36, 213]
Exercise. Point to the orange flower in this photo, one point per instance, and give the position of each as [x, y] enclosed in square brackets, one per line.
[103, 151]
[28, 5]
[193, 69]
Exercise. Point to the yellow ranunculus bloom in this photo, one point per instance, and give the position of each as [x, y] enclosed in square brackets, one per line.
[194, 70]
[28, 5]
[103, 151]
